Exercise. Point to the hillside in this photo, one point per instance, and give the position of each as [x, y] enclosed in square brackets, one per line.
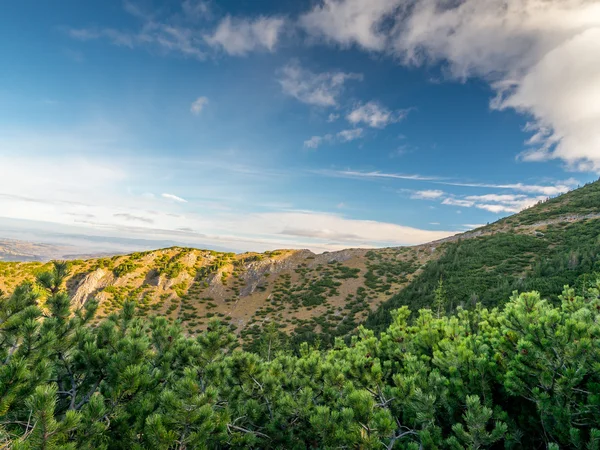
[542, 248]
[297, 290]
[309, 296]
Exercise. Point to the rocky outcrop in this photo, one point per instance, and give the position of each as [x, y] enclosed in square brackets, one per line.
[90, 285]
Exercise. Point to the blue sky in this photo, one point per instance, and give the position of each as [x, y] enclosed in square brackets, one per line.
[318, 124]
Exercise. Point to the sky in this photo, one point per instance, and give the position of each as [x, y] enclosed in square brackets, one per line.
[320, 124]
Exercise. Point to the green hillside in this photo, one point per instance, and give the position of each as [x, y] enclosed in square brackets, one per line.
[543, 248]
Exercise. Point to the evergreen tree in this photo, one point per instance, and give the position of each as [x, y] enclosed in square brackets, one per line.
[440, 298]
[523, 376]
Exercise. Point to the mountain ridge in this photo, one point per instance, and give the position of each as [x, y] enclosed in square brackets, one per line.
[310, 296]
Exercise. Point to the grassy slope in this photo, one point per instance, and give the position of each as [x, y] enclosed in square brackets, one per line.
[297, 291]
[542, 248]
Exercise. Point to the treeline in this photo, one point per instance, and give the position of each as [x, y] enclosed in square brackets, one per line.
[526, 375]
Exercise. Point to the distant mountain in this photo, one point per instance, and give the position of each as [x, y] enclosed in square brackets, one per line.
[15, 250]
[313, 297]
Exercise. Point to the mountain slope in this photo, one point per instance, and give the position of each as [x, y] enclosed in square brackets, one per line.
[543, 248]
[296, 290]
[15, 250]
[311, 297]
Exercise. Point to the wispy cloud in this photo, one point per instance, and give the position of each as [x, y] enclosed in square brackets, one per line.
[315, 141]
[559, 188]
[336, 228]
[186, 32]
[427, 195]
[198, 105]
[458, 202]
[131, 217]
[174, 198]
[239, 36]
[494, 203]
[376, 175]
[167, 38]
[341, 136]
[548, 190]
[375, 115]
[350, 135]
[319, 89]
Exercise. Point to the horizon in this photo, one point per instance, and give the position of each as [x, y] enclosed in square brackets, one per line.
[324, 125]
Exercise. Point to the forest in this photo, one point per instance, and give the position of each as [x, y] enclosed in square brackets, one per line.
[522, 375]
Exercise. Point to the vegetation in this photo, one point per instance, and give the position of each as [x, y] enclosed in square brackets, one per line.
[584, 201]
[125, 268]
[526, 375]
[487, 269]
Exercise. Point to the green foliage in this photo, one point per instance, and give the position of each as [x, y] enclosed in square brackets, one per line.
[440, 298]
[523, 376]
[487, 269]
[124, 268]
[170, 268]
[385, 269]
[583, 202]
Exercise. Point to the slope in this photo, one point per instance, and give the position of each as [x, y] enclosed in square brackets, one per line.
[313, 297]
[293, 291]
[543, 248]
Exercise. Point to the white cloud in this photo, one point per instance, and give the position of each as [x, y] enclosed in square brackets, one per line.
[320, 89]
[495, 203]
[427, 195]
[239, 36]
[184, 32]
[174, 198]
[198, 105]
[548, 190]
[341, 136]
[88, 195]
[333, 117]
[331, 227]
[376, 175]
[347, 22]
[313, 142]
[500, 198]
[375, 115]
[458, 202]
[540, 57]
[558, 188]
[350, 135]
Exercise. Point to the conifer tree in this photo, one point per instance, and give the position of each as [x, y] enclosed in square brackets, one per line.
[526, 375]
[440, 298]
